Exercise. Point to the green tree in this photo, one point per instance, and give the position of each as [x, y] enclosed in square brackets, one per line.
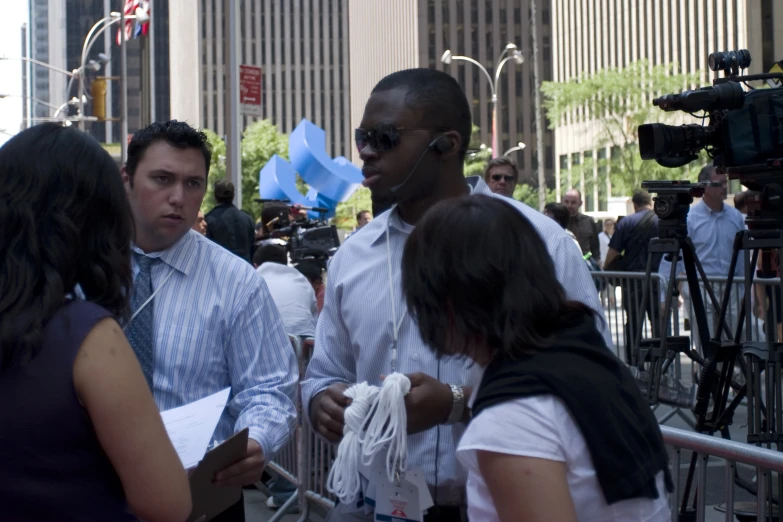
[345, 215]
[217, 168]
[528, 194]
[476, 161]
[260, 141]
[619, 100]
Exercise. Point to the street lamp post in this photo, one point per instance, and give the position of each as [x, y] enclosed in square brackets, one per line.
[511, 52]
[92, 36]
[518, 146]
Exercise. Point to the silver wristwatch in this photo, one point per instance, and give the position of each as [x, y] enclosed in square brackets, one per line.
[457, 405]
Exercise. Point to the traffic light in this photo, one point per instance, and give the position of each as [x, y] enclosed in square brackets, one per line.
[98, 92]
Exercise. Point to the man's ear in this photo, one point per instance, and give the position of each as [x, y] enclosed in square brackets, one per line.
[455, 141]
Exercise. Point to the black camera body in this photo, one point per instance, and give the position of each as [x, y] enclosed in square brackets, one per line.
[671, 204]
[745, 128]
[305, 238]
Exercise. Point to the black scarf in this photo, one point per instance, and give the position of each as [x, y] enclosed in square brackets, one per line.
[621, 433]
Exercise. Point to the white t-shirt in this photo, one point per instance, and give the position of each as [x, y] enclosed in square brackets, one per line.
[294, 297]
[541, 427]
[603, 241]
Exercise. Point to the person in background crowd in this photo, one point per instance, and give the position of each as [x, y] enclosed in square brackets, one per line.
[628, 252]
[228, 226]
[501, 175]
[81, 437]
[604, 237]
[553, 399]
[712, 226]
[412, 139]
[315, 275]
[292, 293]
[559, 213]
[584, 227]
[362, 218]
[209, 322]
[200, 225]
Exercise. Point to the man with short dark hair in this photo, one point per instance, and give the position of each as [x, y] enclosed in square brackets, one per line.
[203, 320]
[412, 139]
[228, 226]
[501, 175]
[628, 252]
[584, 227]
[291, 291]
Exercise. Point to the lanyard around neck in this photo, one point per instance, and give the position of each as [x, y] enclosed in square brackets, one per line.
[395, 324]
[150, 298]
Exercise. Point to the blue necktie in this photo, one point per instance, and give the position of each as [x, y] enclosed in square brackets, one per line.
[140, 331]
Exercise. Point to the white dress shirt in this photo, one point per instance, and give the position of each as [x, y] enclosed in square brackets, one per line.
[354, 333]
[216, 326]
[294, 296]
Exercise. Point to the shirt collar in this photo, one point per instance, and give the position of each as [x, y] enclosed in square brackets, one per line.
[180, 255]
[707, 210]
[376, 229]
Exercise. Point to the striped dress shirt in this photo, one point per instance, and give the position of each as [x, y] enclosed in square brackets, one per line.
[215, 326]
[354, 332]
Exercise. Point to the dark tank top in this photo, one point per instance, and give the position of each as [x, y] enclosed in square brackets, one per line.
[52, 466]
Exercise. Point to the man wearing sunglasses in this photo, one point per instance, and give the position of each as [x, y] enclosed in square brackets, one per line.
[501, 174]
[413, 138]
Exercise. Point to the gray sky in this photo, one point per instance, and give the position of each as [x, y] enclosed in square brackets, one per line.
[14, 15]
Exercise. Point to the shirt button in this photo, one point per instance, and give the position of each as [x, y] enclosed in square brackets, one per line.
[415, 356]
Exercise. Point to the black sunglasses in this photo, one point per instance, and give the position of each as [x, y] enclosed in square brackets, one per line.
[382, 136]
[498, 177]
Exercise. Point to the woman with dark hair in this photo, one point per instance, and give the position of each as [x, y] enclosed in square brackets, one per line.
[559, 430]
[81, 437]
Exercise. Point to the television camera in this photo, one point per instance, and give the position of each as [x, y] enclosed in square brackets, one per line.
[304, 238]
[744, 137]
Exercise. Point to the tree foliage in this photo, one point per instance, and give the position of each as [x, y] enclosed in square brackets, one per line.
[618, 101]
[260, 141]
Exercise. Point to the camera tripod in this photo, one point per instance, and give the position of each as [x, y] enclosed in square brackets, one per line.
[717, 358]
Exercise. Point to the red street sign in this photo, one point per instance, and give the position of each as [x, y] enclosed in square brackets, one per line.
[250, 89]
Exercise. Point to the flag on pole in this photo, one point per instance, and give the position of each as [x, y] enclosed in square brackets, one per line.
[132, 28]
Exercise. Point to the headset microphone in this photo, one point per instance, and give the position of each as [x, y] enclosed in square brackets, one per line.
[441, 144]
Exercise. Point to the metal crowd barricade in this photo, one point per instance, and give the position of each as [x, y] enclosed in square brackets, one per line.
[621, 294]
[306, 459]
[764, 460]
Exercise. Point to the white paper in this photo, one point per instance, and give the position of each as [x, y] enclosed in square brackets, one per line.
[190, 427]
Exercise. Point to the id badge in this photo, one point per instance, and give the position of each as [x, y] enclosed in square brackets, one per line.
[397, 503]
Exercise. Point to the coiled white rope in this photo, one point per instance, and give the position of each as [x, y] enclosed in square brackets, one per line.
[382, 410]
[344, 480]
[389, 425]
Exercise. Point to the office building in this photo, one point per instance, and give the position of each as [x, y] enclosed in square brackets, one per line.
[386, 37]
[47, 44]
[321, 58]
[590, 36]
[301, 47]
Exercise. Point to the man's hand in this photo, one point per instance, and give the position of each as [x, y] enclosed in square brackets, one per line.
[428, 403]
[327, 412]
[245, 472]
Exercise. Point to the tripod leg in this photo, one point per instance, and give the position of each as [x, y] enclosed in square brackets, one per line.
[689, 255]
[727, 292]
[637, 338]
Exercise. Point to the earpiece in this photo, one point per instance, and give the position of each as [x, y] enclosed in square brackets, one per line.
[440, 144]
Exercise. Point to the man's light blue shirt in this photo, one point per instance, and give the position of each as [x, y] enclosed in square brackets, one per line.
[354, 332]
[216, 326]
[713, 236]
